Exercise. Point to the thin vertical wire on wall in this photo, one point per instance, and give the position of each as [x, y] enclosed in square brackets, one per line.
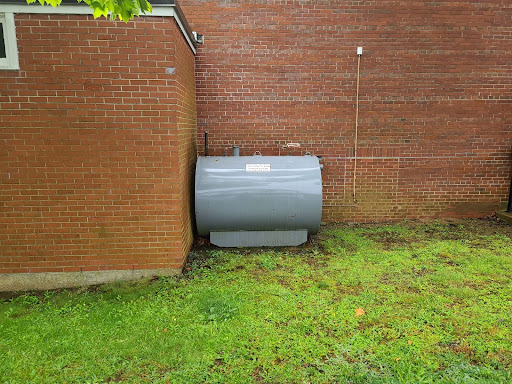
[357, 120]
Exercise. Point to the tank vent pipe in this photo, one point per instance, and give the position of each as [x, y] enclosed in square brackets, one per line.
[236, 150]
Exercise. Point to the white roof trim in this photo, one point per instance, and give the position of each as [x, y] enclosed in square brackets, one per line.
[159, 11]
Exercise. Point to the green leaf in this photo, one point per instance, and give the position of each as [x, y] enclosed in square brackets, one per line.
[126, 10]
[98, 12]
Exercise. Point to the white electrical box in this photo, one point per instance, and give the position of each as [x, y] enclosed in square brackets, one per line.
[359, 51]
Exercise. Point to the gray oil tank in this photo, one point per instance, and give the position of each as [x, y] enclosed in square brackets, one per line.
[258, 200]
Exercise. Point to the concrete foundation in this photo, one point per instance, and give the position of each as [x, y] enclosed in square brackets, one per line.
[52, 280]
[505, 216]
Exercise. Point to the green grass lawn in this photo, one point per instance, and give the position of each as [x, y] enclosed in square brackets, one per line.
[437, 302]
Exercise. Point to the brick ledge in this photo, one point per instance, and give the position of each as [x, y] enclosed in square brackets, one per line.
[505, 216]
[52, 280]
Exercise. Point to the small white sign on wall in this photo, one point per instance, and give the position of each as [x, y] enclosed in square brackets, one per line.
[257, 167]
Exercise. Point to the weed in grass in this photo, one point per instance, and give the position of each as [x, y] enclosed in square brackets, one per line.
[215, 306]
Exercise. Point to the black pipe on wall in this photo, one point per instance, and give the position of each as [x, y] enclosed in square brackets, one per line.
[206, 143]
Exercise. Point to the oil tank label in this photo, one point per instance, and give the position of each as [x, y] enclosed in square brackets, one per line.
[257, 167]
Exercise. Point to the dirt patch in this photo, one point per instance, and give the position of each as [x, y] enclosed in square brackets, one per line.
[349, 290]
[488, 226]
[258, 374]
[390, 240]
[449, 229]
[114, 379]
[464, 349]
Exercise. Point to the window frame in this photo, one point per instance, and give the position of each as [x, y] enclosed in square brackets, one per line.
[10, 62]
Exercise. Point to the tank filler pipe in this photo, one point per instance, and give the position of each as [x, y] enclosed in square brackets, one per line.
[206, 143]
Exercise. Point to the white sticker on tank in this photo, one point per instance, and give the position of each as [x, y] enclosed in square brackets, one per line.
[257, 167]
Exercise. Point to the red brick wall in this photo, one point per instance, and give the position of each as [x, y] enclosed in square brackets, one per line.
[435, 129]
[187, 128]
[96, 146]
